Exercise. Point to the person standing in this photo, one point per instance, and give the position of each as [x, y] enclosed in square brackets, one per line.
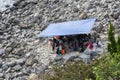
[59, 49]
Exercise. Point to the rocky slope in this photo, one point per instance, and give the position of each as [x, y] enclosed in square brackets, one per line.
[22, 53]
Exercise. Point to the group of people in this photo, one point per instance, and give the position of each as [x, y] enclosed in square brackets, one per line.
[63, 44]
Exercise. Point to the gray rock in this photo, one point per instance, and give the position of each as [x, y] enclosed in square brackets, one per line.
[29, 17]
[33, 77]
[28, 55]
[83, 15]
[75, 9]
[17, 68]
[10, 64]
[1, 78]
[1, 75]
[1, 63]
[99, 28]
[20, 61]
[19, 52]
[28, 69]
[69, 1]
[1, 70]
[16, 3]
[116, 25]
[31, 1]
[21, 78]
[8, 70]
[72, 58]
[24, 71]
[8, 37]
[115, 15]
[9, 49]
[8, 76]
[7, 6]
[92, 10]
[12, 44]
[22, 4]
[1, 39]
[78, 59]
[1, 32]
[2, 51]
[59, 58]
[15, 21]
[15, 74]
[25, 25]
[4, 67]
[39, 70]
[3, 27]
[23, 44]
[29, 62]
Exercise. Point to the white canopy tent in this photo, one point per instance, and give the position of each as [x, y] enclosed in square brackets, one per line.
[68, 28]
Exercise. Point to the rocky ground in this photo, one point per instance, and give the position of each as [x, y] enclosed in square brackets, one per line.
[22, 54]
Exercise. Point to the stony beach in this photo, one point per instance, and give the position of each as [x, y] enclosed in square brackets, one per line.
[22, 54]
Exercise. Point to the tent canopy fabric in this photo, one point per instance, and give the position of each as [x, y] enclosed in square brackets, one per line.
[68, 28]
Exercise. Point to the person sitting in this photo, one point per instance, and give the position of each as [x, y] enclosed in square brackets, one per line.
[74, 46]
[60, 48]
[57, 51]
[60, 41]
[99, 44]
[80, 48]
[91, 46]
